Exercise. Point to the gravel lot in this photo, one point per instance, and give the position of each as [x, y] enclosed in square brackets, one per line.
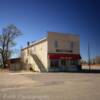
[49, 86]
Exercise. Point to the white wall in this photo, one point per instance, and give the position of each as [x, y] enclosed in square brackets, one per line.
[40, 50]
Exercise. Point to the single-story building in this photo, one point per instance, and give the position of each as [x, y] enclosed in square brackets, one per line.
[14, 64]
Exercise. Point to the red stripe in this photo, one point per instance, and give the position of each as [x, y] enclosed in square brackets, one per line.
[64, 56]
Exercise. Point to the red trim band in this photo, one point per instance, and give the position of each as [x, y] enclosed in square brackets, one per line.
[65, 56]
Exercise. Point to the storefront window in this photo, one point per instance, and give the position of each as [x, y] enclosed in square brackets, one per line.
[73, 62]
[63, 62]
[54, 63]
[67, 62]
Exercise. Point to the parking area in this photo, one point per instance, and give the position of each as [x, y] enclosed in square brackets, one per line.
[49, 86]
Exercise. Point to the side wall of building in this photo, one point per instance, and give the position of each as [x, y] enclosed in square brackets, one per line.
[40, 50]
[24, 58]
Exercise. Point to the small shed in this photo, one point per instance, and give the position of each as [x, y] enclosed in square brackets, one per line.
[15, 64]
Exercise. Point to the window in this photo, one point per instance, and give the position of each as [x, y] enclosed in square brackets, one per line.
[63, 62]
[56, 44]
[67, 62]
[54, 63]
[74, 62]
[71, 45]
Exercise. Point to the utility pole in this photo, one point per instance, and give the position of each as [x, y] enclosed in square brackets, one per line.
[89, 63]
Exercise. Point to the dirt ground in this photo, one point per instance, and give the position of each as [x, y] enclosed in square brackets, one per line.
[49, 86]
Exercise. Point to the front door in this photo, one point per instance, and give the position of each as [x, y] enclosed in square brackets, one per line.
[63, 64]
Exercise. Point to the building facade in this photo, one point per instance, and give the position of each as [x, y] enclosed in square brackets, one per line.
[97, 60]
[56, 52]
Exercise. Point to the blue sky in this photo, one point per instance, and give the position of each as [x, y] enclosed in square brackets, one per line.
[35, 17]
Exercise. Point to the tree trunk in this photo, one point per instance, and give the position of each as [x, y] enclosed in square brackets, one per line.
[4, 61]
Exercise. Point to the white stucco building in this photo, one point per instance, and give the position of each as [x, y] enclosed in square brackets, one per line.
[56, 52]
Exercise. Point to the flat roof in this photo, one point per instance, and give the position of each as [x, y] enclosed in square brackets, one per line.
[64, 33]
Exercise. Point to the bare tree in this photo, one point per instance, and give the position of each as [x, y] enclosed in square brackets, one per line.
[7, 41]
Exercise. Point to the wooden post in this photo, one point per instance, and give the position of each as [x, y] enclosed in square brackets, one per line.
[89, 63]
